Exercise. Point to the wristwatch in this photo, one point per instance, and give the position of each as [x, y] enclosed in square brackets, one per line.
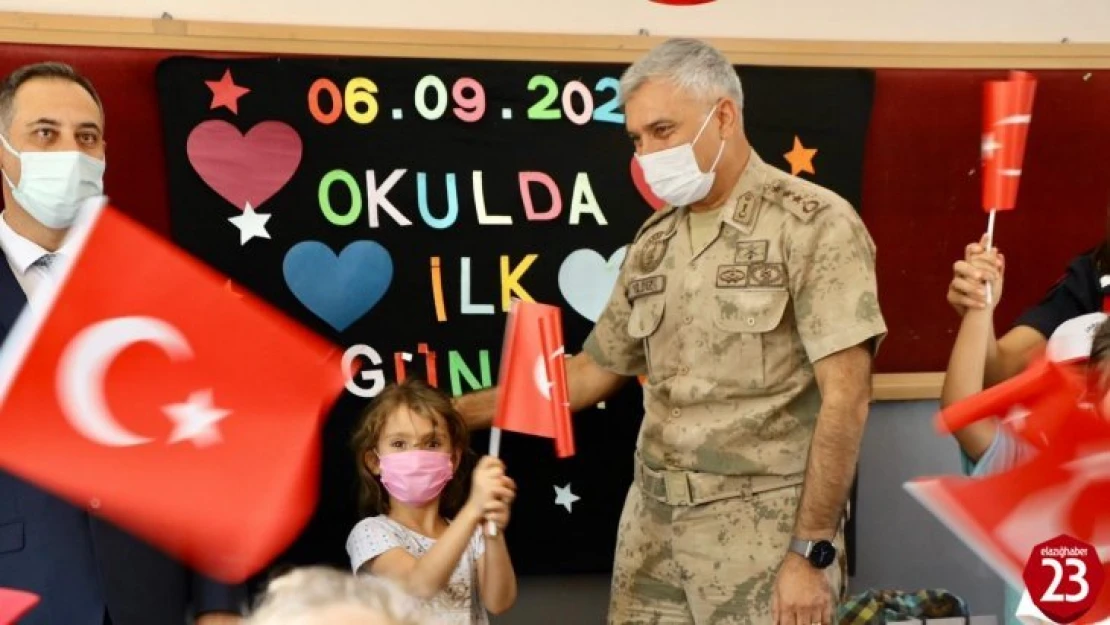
[819, 553]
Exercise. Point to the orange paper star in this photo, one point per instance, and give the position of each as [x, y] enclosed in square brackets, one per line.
[226, 93]
[800, 158]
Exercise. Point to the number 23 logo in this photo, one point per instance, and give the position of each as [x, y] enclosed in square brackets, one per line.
[1051, 593]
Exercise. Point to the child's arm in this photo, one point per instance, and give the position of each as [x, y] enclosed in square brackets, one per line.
[426, 576]
[968, 361]
[496, 578]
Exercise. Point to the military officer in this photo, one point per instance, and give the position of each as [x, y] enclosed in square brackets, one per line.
[750, 304]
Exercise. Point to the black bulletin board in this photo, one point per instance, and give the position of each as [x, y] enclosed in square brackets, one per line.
[439, 184]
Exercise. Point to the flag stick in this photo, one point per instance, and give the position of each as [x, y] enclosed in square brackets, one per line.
[495, 432]
[494, 450]
[990, 244]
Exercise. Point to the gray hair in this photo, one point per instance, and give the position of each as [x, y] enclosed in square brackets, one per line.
[693, 65]
[48, 69]
[299, 595]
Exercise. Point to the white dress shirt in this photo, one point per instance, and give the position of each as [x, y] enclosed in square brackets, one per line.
[23, 257]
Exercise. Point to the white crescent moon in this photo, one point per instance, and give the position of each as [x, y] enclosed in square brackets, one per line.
[539, 374]
[80, 375]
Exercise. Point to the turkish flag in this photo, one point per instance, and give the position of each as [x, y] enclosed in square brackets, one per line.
[532, 395]
[1036, 403]
[1007, 111]
[15, 604]
[1063, 490]
[151, 395]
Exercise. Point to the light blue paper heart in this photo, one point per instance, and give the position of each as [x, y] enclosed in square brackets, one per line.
[586, 280]
[338, 289]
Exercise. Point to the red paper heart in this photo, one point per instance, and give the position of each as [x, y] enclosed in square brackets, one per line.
[244, 168]
[642, 185]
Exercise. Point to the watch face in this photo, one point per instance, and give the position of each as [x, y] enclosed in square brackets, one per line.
[823, 554]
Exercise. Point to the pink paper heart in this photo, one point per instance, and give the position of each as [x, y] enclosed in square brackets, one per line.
[642, 185]
[244, 168]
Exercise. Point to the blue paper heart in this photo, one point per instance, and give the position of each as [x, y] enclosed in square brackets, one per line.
[338, 289]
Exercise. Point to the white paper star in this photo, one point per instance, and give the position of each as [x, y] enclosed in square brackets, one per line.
[565, 498]
[196, 419]
[250, 224]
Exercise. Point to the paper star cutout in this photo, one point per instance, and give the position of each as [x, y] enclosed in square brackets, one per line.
[226, 93]
[800, 158]
[565, 498]
[195, 419]
[250, 224]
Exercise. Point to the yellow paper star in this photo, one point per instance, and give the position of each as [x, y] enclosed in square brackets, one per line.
[800, 158]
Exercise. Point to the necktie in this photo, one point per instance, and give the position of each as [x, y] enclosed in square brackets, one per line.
[45, 261]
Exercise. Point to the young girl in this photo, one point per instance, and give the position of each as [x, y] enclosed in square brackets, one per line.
[408, 446]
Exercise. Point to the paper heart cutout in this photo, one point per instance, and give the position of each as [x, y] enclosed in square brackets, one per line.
[248, 168]
[586, 280]
[642, 185]
[338, 289]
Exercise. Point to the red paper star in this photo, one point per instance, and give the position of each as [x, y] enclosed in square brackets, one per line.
[800, 158]
[226, 93]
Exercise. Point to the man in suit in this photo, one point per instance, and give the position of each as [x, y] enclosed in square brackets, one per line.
[87, 571]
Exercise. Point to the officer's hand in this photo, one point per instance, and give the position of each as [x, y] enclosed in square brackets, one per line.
[968, 286]
[803, 594]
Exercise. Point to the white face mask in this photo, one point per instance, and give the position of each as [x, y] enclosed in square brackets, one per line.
[673, 174]
[53, 185]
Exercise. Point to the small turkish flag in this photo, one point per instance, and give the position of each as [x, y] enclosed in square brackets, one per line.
[532, 396]
[148, 393]
[1035, 404]
[1063, 490]
[1007, 111]
[15, 604]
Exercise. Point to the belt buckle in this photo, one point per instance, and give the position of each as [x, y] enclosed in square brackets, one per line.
[678, 488]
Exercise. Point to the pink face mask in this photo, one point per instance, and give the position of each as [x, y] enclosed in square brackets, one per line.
[416, 477]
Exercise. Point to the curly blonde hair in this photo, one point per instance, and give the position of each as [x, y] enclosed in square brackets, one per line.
[304, 595]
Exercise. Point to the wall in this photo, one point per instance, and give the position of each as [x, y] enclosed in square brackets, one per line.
[1041, 21]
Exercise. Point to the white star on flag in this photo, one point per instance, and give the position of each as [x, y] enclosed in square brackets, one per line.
[250, 224]
[196, 419]
[565, 498]
[989, 146]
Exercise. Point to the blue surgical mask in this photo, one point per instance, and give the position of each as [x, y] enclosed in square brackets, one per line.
[53, 185]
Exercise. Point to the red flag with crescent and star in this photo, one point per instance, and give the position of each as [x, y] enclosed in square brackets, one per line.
[532, 394]
[146, 392]
[1036, 404]
[1007, 111]
[1063, 490]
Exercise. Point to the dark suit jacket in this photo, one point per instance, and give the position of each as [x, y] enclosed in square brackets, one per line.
[81, 565]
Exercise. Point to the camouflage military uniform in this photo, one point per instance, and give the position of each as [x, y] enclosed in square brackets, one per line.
[726, 336]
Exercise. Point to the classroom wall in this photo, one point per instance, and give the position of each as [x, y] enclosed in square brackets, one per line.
[1041, 21]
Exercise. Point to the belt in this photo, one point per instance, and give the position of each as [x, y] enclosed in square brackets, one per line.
[691, 488]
